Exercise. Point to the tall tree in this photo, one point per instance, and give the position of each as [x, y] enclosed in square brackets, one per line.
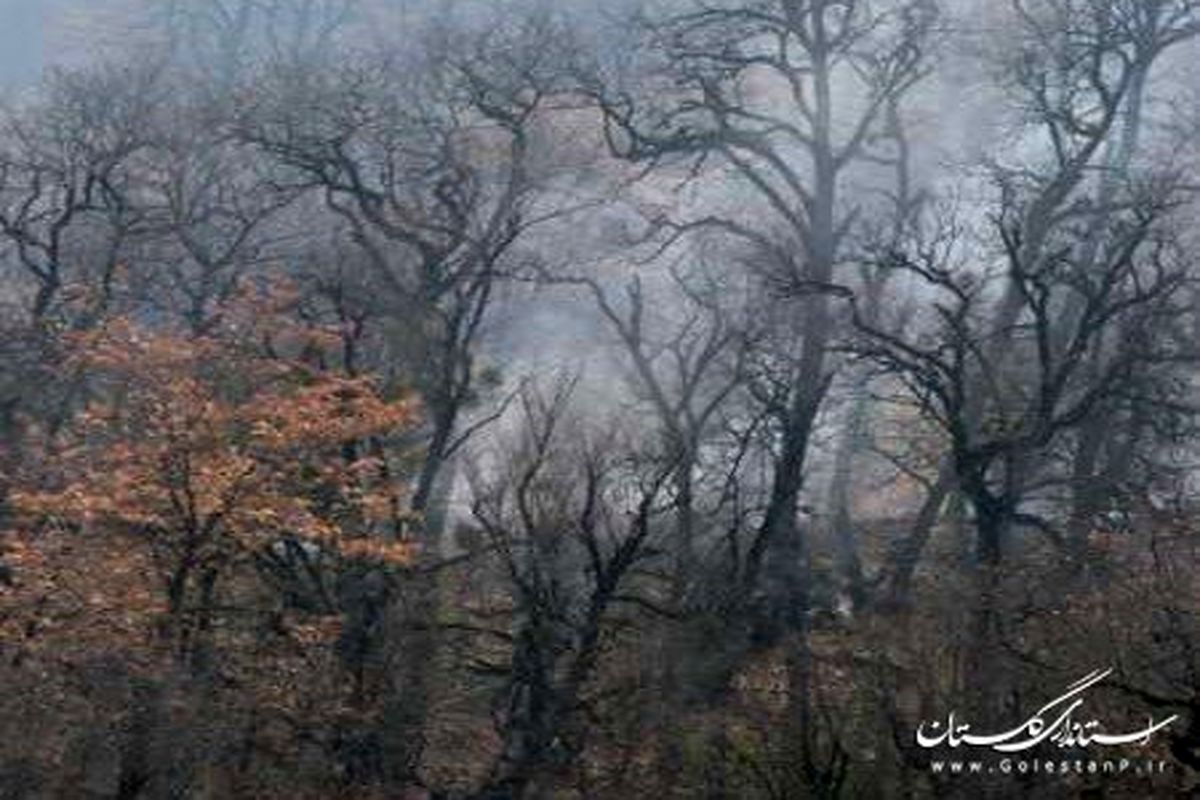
[789, 98]
[426, 159]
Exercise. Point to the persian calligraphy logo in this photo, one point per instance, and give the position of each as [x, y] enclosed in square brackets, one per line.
[1056, 723]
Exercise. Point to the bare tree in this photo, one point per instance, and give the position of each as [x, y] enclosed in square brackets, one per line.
[426, 160]
[1079, 75]
[214, 211]
[65, 172]
[571, 525]
[1053, 376]
[789, 97]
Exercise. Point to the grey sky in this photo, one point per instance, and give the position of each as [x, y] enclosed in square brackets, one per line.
[36, 33]
[23, 25]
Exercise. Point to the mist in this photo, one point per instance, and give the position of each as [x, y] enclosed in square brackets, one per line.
[512, 399]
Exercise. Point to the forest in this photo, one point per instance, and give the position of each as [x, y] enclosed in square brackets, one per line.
[525, 400]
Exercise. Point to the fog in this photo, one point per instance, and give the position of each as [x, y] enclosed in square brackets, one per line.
[510, 399]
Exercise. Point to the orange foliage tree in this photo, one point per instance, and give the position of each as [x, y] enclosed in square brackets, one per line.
[195, 455]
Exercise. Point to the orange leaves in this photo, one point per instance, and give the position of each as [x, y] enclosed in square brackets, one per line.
[83, 501]
[148, 521]
[219, 449]
[78, 591]
[317, 632]
[324, 412]
[119, 345]
[399, 553]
